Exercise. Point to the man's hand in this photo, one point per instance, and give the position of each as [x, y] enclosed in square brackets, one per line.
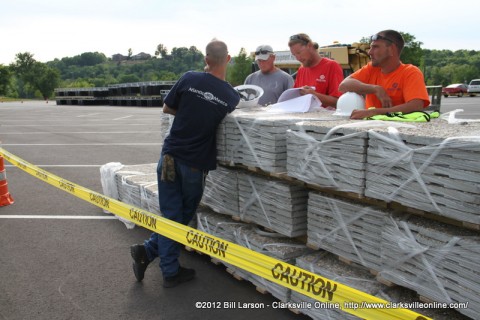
[307, 90]
[361, 114]
[383, 97]
[168, 110]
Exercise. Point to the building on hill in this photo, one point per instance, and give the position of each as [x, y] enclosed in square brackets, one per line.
[141, 56]
[119, 57]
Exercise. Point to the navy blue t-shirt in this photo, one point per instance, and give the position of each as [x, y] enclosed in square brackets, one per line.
[201, 101]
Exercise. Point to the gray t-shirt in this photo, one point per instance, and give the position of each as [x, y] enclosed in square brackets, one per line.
[273, 84]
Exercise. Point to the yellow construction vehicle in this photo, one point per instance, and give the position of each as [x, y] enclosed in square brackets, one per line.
[350, 56]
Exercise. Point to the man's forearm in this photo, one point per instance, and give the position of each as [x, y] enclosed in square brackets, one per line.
[326, 100]
[411, 106]
[353, 85]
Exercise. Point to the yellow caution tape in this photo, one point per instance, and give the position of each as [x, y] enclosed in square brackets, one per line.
[331, 294]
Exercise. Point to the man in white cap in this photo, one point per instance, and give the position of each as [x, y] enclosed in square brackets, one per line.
[271, 79]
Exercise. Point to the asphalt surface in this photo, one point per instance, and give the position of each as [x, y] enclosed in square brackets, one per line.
[74, 268]
[469, 105]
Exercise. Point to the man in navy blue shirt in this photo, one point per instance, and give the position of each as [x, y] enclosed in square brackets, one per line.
[199, 101]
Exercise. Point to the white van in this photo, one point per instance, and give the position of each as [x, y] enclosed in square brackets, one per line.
[474, 87]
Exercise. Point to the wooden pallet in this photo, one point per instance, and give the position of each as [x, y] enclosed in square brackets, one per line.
[234, 274]
[432, 216]
[384, 281]
[262, 290]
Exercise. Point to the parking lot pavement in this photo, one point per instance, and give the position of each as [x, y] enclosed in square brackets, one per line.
[469, 105]
[79, 266]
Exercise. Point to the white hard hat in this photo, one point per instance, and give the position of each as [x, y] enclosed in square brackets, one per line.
[348, 102]
[249, 95]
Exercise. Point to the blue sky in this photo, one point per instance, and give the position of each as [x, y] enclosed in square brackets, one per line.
[58, 28]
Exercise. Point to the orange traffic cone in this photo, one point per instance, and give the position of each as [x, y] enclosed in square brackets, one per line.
[5, 197]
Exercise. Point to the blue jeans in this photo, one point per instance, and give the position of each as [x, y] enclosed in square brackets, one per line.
[178, 202]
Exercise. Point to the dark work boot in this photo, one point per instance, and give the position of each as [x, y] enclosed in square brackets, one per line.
[183, 275]
[140, 260]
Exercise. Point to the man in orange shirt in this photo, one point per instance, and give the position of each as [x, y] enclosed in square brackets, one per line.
[318, 75]
[389, 85]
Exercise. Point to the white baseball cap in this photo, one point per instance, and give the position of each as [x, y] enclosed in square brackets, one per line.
[263, 52]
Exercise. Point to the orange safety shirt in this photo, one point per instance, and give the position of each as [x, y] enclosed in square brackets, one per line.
[402, 85]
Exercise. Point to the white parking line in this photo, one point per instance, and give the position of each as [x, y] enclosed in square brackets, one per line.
[88, 115]
[80, 132]
[62, 165]
[57, 217]
[80, 125]
[123, 117]
[81, 144]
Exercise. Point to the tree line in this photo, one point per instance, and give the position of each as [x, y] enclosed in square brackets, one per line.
[28, 78]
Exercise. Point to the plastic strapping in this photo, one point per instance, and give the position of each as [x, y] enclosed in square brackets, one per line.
[256, 197]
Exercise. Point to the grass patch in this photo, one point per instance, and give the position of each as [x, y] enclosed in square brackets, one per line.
[7, 99]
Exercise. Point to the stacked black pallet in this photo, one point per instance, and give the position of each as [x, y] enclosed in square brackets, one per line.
[135, 94]
[82, 96]
[139, 94]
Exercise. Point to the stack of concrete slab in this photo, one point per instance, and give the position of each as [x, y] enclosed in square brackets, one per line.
[219, 225]
[107, 179]
[222, 140]
[109, 187]
[149, 198]
[221, 191]
[224, 227]
[251, 237]
[349, 230]
[433, 167]
[131, 180]
[274, 204]
[271, 244]
[135, 185]
[258, 138]
[420, 167]
[327, 265]
[166, 121]
[440, 262]
[328, 154]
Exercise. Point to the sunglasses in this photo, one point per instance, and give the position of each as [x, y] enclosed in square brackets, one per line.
[299, 37]
[376, 37]
[262, 52]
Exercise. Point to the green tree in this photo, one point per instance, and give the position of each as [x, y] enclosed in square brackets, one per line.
[33, 75]
[23, 66]
[240, 68]
[167, 76]
[91, 59]
[22, 69]
[186, 59]
[444, 67]
[46, 79]
[412, 52]
[79, 83]
[161, 51]
[127, 78]
[5, 79]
